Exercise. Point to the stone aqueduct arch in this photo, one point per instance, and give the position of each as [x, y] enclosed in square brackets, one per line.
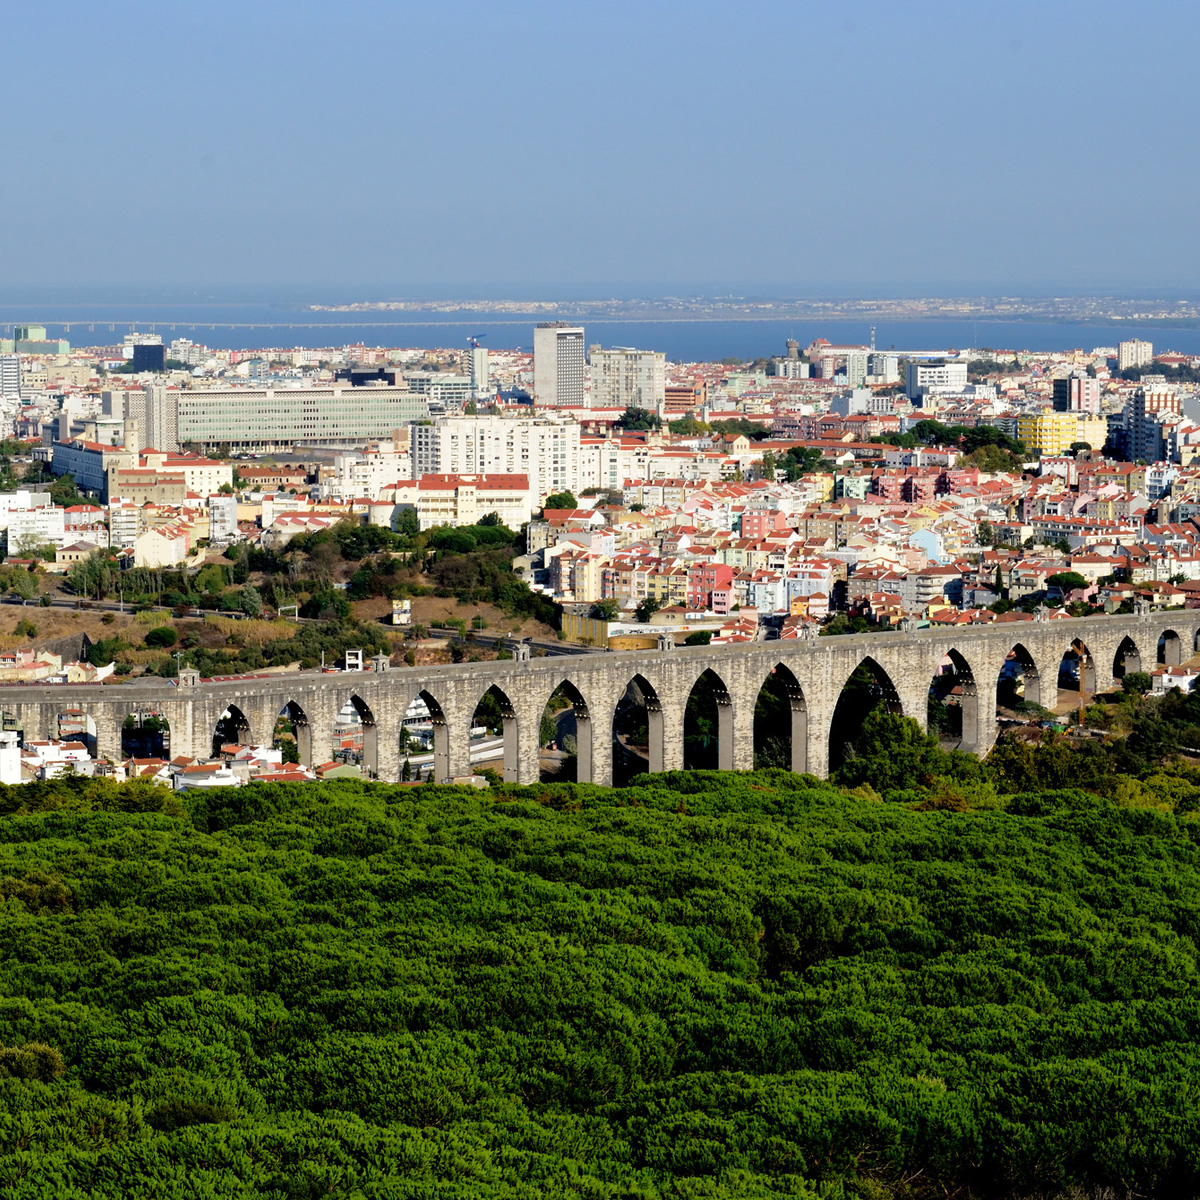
[812, 674]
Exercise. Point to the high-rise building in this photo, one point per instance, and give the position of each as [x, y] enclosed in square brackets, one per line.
[626, 378]
[1077, 392]
[1134, 353]
[559, 362]
[10, 375]
[1153, 408]
[480, 375]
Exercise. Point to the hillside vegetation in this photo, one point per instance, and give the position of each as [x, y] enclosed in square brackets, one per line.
[698, 986]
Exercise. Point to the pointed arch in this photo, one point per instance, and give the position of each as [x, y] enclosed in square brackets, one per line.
[1019, 679]
[637, 723]
[781, 722]
[954, 702]
[423, 729]
[1077, 670]
[708, 724]
[370, 736]
[1170, 648]
[232, 729]
[583, 734]
[866, 688]
[1127, 659]
[510, 728]
[301, 731]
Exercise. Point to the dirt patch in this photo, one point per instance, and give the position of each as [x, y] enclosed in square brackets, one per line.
[429, 609]
[58, 622]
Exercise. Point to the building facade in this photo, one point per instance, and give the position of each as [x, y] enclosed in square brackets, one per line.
[266, 419]
[544, 448]
[626, 378]
[1134, 353]
[559, 364]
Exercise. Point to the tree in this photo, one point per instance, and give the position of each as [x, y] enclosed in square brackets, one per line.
[408, 524]
[768, 465]
[635, 419]
[647, 608]
[24, 586]
[605, 610]
[985, 535]
[161, 637]
[1136, 683]
[251, 600]
[560, 500]
[701, 637]
[1066, 581]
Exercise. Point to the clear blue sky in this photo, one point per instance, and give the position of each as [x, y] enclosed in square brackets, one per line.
[393, 148]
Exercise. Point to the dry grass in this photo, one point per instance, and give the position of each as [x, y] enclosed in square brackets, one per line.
[252, 633]
[428, 609]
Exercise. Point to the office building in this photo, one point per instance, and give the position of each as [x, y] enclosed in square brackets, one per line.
[626, 378]
[559, 363]
[1078, 392]
[935, 377]
[149, 356]
[545, 448]
[270, 419]
[1134, 353]
[10, 376]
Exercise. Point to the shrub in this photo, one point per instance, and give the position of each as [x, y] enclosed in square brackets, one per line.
[162, 637]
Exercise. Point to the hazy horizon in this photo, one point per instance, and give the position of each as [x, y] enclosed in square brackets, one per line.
[778, 149]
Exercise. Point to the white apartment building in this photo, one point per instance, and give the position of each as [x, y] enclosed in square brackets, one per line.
[559, 364]
[222, 519]
[936, 377]
[36, 526]
[124, 524]
[252, 419]
[21, 501]
[361, 475]
[626, 378]
[545, 448]
[1134, 353]
[10, 376]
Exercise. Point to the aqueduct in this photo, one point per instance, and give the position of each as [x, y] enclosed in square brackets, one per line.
[812, 674]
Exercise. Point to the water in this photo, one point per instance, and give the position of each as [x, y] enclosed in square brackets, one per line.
[241, 325]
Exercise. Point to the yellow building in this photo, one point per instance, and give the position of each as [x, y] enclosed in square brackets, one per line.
[1049, 433]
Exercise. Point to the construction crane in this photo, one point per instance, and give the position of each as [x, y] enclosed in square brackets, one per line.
[475, 339]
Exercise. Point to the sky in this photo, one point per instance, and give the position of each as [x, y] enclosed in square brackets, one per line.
[367, 149]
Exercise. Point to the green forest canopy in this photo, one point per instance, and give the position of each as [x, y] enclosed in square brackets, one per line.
[751, 985]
